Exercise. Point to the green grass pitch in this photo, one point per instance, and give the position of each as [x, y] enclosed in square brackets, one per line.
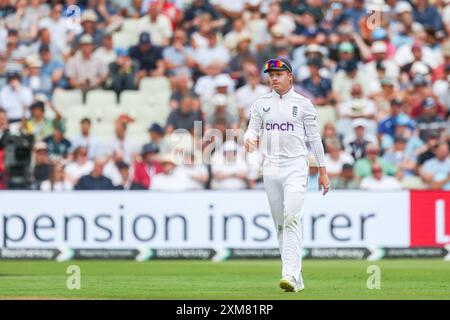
[245, 279]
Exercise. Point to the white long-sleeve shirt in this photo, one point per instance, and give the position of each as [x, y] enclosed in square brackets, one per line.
[284, 125]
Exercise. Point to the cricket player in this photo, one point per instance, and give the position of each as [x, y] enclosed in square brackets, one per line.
[281, 122]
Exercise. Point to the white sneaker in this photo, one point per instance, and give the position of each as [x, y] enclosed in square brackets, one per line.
[289, 284]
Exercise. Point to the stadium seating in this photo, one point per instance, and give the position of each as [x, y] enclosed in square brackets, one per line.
[66, 98]
[96, 98]
[124, 39]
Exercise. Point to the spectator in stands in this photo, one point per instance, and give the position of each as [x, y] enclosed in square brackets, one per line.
[363, 167]
[86, 139]
[84, 71]
[344, 80]
[123, 73]
[111, 169]
[79, 166]
[195, 171]
[316, 86]
[427, 14]
[106, 51]
[34, 79]
[95, 180]
[387, 125]
[52, 70]
[178, 57]
[241, 56]
[157, 24]
[436, 171]
[346, 179]
[427, 151]
[4, 128]
[156, 133]
[58, 145]
[198, 8]
[252, 90]
[124, 170]
[219, 102]
[335, 158]
[171, 178]
[377, 181]
[357, 146]
[398, 156]
[42, 166]
[148, 167]
[229, 169]
[89, 24]
[214, 52]
[183, 117]
[15, 98]
[430, 122]
[441, 88]
[57, 181]
[60, 32]
[127, 146]
[149, 57]
[182, 87]
[39, 125]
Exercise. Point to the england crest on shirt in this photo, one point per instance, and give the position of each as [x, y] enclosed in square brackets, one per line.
[294, 111]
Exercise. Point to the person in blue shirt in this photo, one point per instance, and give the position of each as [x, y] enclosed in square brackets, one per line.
[319, 87]
[427, 14]
[436, 171]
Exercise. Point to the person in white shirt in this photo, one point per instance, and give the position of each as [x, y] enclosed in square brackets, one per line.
[286, 121]
[86, 139]
[15, 98]
[380, 182]
[79, 167]
[247, 94]
[129, 148]
[157, 24]
[197, 173]
[171, 179]
[229, 169]
[335, 158]
[57, 180]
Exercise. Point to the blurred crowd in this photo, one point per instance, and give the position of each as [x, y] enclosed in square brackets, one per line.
[378, 72]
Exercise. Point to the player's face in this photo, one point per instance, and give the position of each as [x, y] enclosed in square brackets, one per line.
[280, 80]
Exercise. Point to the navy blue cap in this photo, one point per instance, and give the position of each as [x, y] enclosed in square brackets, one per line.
[150, 148]
[156, 128]
[144, 38]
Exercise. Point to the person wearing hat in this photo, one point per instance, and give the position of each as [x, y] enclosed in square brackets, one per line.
[289, 119]
[379, 51]
[83, 70]
[156, 133]
[171, 178]
[357, 146]
[318, 87]
[89, 23]
[346, 179]
[149, 57]
[42, 167]
[149, 165]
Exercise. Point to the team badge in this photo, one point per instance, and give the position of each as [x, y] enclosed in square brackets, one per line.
[294, 111]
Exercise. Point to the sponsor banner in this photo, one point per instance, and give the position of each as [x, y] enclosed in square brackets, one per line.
[430, 218]
[425, 252]
[336, 253]
[371, 254]
[214, 220]
[28, 253]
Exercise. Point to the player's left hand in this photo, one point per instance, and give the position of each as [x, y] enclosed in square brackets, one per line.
[324, 182]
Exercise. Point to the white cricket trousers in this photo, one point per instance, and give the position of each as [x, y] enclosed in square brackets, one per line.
[285, 181]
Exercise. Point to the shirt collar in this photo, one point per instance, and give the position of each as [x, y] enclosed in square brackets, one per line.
[286, 95]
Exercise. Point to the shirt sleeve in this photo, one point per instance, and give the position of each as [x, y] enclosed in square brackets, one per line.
[255, 123]
[312, 133]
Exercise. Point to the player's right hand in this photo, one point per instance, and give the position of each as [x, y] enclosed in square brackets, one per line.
[250, 145]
